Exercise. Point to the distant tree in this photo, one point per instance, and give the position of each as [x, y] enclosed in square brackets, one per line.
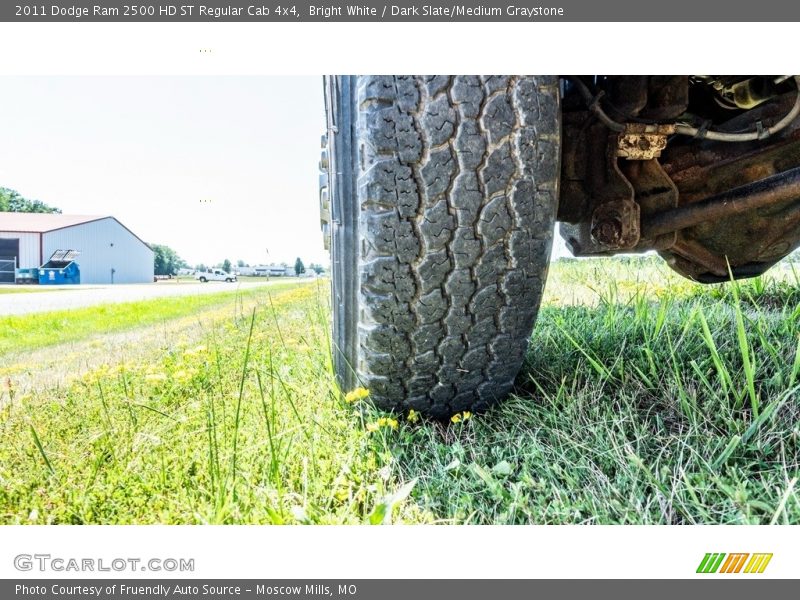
[299, 267]
[240, 263]
[200, 267]
[165, 260]
[226, 265]
[316, 268]
[12, 201]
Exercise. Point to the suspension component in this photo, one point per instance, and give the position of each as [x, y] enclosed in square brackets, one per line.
[705, 204]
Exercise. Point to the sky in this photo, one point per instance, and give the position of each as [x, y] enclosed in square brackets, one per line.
[214, 167]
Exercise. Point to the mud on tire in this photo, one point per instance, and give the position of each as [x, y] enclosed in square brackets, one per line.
[443, 195]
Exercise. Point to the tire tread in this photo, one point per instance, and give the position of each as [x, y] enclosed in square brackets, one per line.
[457, 187]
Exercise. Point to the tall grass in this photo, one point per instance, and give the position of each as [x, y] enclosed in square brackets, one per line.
[649, 400]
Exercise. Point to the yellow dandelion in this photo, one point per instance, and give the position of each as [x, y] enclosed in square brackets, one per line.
[182, 375]
[382, 422]
[196, 351]
[461, 417]
[156, 377]
[413, 416]
[357, 394]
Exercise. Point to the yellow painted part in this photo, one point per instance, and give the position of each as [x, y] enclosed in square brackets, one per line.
[764, 562]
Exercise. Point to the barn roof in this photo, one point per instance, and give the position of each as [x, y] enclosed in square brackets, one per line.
[17, 222]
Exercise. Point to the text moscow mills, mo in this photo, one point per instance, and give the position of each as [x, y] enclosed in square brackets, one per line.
[183, 590]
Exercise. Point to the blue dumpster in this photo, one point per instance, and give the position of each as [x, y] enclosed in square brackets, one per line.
[60, 269]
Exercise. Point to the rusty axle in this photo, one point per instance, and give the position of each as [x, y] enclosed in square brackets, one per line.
[775, 189]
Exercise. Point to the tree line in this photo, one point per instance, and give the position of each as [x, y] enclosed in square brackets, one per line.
[13, 201]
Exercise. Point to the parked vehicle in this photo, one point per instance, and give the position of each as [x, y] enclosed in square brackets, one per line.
[439, 195]
[215, 275]
[27, 276]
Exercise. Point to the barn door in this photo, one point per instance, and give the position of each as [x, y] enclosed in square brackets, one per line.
[9, 257]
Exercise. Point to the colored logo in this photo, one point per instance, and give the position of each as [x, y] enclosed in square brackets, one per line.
[739, 562]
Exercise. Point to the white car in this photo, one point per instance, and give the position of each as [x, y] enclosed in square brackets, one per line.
[215, 275]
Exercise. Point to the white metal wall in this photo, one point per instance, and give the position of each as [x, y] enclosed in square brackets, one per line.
[28, 248]
[104, 245]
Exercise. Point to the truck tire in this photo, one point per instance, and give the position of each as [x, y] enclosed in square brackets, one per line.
[443, 193]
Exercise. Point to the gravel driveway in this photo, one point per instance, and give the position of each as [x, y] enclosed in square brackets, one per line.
[78, 296]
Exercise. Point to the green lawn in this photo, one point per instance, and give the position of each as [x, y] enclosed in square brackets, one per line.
[38, 330]
[28, 289]
[644, 399]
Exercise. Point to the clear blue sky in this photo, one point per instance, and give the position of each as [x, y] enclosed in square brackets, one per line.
[216, 167]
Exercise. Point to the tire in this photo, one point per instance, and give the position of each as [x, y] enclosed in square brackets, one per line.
[203, 280]
[443, 195]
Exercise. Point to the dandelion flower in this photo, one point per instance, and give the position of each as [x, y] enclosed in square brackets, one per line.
[182, 375]
[461, 417]
[196, 351]
[156, 377]
[413, 416]
[357, 394]
[382, 422]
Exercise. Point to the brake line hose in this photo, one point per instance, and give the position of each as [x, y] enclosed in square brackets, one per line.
[761, 133]
[593, 104]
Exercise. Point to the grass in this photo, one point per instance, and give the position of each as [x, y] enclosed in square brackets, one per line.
[38, 330]
[644, 399]
[28, 289]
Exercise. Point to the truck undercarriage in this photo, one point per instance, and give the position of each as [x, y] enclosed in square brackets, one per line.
[723, 199]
